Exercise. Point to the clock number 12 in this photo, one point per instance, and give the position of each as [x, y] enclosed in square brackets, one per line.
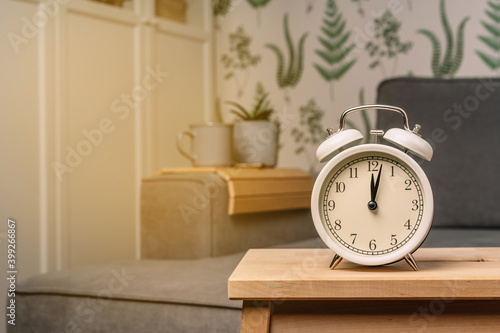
[372, 165]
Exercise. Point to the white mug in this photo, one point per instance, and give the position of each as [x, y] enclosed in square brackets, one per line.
[210, 144]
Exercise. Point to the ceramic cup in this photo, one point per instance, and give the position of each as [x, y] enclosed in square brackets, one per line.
[210, 144]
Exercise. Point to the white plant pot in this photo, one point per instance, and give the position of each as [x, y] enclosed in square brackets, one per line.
[256, 142]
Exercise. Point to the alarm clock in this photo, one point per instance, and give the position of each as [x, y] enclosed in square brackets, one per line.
[372, 204]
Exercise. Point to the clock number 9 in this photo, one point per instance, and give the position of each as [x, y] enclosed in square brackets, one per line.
[331, 205]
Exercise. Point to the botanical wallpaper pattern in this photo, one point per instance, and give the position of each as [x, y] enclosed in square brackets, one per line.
[313, 59]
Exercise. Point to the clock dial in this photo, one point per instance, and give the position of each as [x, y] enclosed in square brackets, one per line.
[371, 204]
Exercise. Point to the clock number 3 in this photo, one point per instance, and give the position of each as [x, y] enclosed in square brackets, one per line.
[415, 205]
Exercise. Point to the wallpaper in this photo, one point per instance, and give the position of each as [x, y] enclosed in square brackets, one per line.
[315, 58]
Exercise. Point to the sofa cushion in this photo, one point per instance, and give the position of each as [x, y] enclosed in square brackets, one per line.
[461, 120]
[135, 296]
[61, 313]
[141, 295]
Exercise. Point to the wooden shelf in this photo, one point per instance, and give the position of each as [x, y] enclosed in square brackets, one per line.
[254, 190]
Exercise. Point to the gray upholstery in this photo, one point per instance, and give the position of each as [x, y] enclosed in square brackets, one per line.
[461, 120]
[462, 237]
[135, 296]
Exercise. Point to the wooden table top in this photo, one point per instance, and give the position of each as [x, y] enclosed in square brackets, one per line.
[304, 274]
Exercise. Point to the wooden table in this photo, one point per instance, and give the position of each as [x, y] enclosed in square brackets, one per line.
[293, 290]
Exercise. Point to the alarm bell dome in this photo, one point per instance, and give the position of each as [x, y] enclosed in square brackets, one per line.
[409, 140]
[337, 142]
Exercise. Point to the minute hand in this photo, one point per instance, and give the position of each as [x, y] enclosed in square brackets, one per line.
[377, 183]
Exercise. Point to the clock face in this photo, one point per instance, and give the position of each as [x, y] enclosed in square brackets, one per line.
[372, 204]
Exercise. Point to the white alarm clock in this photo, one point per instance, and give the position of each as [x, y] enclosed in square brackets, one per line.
[372, 203]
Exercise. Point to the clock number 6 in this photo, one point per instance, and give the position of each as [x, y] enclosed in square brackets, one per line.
[372, 245]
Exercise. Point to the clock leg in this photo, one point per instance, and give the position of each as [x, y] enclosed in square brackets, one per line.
[411, 261]
[336, 260]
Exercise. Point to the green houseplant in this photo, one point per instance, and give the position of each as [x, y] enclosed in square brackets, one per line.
[255, 135]
[261, 110]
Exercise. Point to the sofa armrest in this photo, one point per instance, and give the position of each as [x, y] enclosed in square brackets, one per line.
[185, 216]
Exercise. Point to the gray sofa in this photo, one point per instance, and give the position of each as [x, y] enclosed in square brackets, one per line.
[180, 283]
[184, 288]
[461, 120]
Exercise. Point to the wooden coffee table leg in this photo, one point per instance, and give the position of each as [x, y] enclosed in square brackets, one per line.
[255, 316]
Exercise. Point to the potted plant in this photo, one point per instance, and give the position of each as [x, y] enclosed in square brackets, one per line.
[255, 135]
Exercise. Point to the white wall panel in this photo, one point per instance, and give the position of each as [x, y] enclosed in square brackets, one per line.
[99, 121]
